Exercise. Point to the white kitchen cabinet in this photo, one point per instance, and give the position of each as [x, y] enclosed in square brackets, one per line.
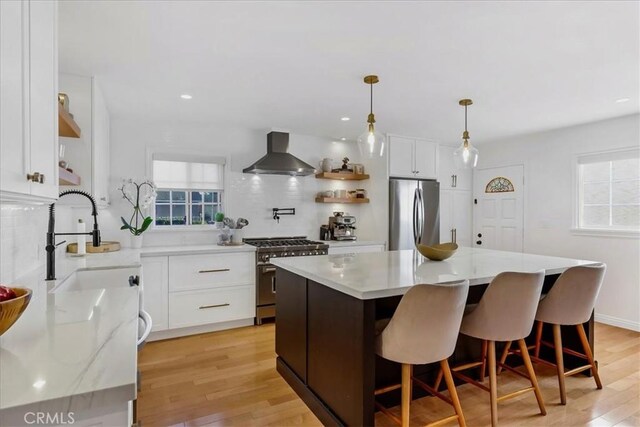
[28, 109]
[211, 290]
[88, 155]
[412, 157]
[155, 285]
[449, 176]
[455, 216]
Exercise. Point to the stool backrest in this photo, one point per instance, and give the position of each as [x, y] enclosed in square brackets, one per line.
[425, 326]
[507, 309]
[573, 296]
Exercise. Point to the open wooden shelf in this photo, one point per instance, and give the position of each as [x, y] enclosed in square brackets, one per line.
[342, 200]
[66, 125]
[67, 178]
[342, 176]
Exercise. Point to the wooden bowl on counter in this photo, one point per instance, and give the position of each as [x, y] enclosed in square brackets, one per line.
[438, 252]
[12, 309]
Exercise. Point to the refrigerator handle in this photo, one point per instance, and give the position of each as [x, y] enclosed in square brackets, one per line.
[415, 217]
[421, 218]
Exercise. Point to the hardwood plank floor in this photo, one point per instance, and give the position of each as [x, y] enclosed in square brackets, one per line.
[229, 378]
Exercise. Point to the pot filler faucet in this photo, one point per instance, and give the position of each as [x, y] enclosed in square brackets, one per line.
[51, 234]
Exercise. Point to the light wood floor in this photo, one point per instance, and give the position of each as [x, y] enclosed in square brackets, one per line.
[229, 378]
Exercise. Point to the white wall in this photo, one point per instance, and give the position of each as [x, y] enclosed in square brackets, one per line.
[548, 159]
[248, 196]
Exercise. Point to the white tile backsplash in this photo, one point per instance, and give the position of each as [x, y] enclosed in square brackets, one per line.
[22, 238]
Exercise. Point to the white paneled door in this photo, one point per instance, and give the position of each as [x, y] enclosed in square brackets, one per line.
[498, 208]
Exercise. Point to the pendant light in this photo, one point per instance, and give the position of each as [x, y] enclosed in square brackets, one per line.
[465, 156]
[371, 143]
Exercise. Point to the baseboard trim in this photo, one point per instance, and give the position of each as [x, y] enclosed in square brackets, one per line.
[616, 321]
[201, 329]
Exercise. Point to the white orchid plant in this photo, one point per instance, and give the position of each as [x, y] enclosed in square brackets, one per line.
[140, 195]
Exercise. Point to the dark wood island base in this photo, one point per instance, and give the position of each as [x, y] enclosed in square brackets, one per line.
[325, 346]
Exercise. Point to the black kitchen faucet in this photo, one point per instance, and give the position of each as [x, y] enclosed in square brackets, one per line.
[51, 234]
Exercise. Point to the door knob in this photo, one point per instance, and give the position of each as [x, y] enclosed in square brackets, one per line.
[479, 242]
[479, 234]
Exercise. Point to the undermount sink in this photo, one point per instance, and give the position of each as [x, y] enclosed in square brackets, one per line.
[98, 279]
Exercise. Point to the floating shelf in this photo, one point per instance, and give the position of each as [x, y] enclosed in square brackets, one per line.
[342, 176]
[66, 125]
[67, 178]
[341, 200]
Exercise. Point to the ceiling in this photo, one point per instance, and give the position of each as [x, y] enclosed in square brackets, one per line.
[528, 66]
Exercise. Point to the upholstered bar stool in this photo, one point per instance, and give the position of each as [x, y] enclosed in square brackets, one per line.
[569, 302]
[423, 329]
[505, 313]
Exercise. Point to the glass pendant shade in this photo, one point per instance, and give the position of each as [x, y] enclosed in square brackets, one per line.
[371, 144]
[465, 156]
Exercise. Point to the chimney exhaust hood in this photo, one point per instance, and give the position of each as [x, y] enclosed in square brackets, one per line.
[278, 161]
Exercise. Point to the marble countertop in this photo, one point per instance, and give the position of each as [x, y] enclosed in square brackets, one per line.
[71, 350]
[383, 274]
[352, 243]
[193, 250]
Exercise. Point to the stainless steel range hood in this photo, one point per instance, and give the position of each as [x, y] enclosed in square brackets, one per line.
[278, 161]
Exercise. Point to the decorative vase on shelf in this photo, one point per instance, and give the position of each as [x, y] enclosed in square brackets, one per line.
[136, 241]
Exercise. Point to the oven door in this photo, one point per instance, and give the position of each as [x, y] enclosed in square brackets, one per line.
[266, 285]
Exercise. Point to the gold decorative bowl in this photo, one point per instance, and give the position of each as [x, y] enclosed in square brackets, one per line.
[438, 252]
[12, 309]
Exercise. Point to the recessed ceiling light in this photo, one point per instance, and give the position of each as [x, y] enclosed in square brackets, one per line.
[39, 384]
[343, 139]
[186, 96]
[345, 119]
[621, 100]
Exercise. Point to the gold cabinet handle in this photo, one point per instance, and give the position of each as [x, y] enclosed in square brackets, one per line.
[202, 307]
[218, 270]
[35, 177]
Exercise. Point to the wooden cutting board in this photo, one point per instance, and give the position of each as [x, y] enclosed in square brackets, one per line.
[104, 247]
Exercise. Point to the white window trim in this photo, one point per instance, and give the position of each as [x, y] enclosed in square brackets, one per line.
[179, 152]
[594, 232]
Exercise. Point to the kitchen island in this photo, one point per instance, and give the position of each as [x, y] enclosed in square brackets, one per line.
[328, 306]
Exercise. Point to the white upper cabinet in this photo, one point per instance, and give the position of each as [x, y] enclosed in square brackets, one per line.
[449, 177]
[28, 110]
[412, 158]
[88, 155]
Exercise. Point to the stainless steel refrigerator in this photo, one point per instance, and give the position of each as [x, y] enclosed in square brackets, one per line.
[414, 213]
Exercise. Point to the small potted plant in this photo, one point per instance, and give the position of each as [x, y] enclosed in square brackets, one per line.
[140, 196]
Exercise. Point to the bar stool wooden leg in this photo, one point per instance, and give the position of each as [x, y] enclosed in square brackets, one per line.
[493, 383]
[557, 342]
[483, 367]
[503, 358]
[532, 375]
[438, 379]
[444, 368]
[589, 354]
[406, 393]
[539, 324]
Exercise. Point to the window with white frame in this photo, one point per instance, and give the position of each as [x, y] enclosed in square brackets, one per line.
[609, 190]
[189, 189]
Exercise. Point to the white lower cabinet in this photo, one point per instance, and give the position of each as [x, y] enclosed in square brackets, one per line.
[183, 291]
[155, 290]
[192, 308]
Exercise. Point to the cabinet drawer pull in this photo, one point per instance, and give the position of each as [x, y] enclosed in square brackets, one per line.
[202, 307]
[218, 270]
[35, 177]
[269, 269]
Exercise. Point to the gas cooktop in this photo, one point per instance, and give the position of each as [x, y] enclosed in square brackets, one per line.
[283, 242]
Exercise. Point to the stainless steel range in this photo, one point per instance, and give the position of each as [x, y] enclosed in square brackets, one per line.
[276, 247]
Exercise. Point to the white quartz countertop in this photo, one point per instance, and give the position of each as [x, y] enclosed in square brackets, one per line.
[71, 350]
[353, 243]
[193, 250]
[383, 274]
